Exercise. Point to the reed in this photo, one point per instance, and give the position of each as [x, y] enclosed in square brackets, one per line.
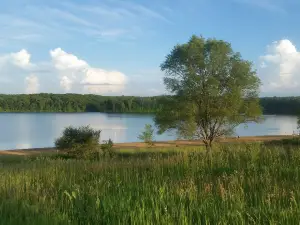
[245, 184]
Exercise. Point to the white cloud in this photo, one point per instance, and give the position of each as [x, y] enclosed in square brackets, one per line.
[65, 72]
[66, 83]
[65, 61]
[95, 76]
[32, 84]
[280, 67]
[16, 71]
[21, 58]
[104, 89]
[74, 71]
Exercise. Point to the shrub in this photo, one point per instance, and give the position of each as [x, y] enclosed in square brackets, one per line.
[147, 135]
[79, 142]
[107, 148]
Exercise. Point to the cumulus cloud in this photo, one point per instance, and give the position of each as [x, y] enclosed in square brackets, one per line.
[74, 71]
[65, 72]
[66, 61]
[15, 67]
[103, 89]
[280, 67]
[66, 83]
[21, 58]
[94, 76]
[32, 84]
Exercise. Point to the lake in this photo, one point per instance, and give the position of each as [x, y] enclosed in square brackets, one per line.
[35, 130]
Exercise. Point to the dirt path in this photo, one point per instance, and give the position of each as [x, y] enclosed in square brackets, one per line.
[157, 144]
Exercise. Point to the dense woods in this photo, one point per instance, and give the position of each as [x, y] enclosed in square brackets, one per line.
[76, 103]
[281, 105]
[121, 104]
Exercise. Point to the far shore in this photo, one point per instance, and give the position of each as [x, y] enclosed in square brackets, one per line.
[137, 145]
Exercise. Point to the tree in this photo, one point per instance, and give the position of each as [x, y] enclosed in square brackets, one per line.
[213, 90]
[147, 135]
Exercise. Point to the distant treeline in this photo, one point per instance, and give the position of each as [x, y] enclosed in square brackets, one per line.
[77, 103]
[119, 104]
[281, 105]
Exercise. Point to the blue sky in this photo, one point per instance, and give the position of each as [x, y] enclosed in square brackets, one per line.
[115, 47]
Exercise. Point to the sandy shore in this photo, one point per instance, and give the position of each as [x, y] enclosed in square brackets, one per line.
[134, 145]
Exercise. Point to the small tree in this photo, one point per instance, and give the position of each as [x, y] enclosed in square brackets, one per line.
[107, 148]
[147, 135]
[213, 90]
[79, 142]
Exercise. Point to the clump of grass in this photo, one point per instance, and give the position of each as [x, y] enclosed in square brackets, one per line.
[244, 184]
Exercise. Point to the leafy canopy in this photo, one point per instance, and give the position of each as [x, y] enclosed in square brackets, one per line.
[213, 90]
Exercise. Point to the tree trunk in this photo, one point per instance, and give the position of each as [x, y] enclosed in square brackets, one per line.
[208, 147]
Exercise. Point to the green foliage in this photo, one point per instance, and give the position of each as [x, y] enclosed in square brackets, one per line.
[294, 142]
[118, 104]
[79, 142]
[77, 103]
[213, 88]
[107, 148]
[280, 105]
[246, 184]
[147, 135]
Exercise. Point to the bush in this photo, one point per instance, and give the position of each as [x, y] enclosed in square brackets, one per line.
[107, 148]
[147, 135]
[79, 142]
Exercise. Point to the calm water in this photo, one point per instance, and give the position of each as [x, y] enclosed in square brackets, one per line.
[34, 130]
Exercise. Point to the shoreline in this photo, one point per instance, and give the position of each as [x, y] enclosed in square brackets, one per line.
[163, 144]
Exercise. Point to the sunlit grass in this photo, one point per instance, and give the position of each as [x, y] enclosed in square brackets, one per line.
[246, 184]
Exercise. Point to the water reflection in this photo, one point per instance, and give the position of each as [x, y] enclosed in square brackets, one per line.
[23, 132]
[271, 125]
[114, 129]
[27, 130]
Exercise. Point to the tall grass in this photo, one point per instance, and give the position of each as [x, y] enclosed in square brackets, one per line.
[246, 184]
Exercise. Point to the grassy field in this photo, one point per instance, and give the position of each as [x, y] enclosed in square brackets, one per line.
[245, 184]
[160, 145]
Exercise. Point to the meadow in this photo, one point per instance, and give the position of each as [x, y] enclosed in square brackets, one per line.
[249, 183]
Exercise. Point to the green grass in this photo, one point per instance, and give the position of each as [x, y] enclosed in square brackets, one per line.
[246, 184]
[294, 141]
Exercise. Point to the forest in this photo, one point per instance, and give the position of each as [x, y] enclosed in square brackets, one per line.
[77, 103]
[118, 104]
[280, 105]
